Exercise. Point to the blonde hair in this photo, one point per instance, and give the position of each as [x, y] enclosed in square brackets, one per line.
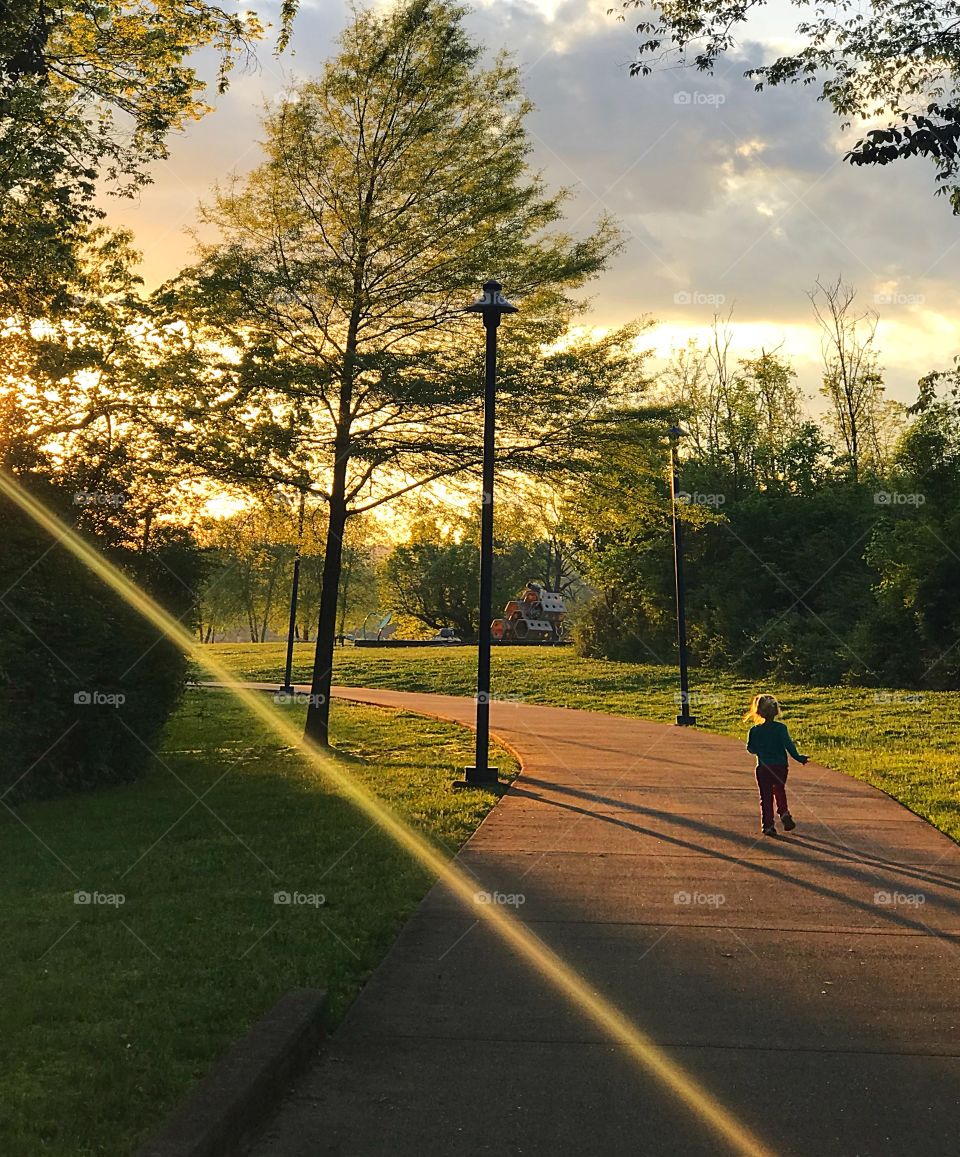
[762, 708]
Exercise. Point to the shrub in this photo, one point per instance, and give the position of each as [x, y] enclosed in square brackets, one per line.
[85, 682]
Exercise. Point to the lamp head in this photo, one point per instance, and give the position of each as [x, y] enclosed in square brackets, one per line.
[492, 300]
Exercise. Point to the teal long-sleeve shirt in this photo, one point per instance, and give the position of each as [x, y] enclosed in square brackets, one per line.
[770, 742]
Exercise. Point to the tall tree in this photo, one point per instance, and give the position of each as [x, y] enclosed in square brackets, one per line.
[740, 418]
[433, 575]
[778, 406]
[394, 185]
[852, 382]
[898, 60]
[90, 90]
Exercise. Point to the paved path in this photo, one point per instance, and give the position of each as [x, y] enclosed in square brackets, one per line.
[826, 1019]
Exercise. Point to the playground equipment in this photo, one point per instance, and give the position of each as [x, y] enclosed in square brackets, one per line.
[384, 630]
[535, 616]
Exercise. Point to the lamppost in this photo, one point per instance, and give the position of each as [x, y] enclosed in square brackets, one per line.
[287, 687]
[684, 719]
[491, 307]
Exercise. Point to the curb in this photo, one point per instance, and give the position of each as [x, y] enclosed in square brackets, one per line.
[243, 1089]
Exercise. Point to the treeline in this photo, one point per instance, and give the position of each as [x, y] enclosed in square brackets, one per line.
[317, 341]
[317, 345]
[816, 550]
[425, 582]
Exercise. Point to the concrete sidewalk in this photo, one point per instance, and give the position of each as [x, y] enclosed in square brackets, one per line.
[809, 983]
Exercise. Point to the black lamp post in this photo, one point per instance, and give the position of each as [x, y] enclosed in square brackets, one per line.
[491, 306]
[684, 719]
[287, 687]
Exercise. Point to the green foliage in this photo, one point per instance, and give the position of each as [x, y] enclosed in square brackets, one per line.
[741, 421]
[776, 584]
[90, 90]
[85, 683]
[798, 566]
[89, 1070]
[914, 631]
[249, 563]
[433, 575]
[248, 571]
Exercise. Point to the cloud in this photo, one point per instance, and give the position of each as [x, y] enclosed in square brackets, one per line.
[722, 191]
[732, 194]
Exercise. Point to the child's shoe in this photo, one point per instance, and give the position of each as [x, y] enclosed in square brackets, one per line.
[789, 823]
[770, 831]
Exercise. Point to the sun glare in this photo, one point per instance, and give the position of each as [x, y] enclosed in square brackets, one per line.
[513, 931]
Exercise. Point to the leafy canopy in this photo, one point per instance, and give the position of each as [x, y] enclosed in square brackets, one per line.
[392, 187]
[90, 90]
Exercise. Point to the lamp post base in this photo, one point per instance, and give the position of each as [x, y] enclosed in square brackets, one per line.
[686, 721]
[479, 777]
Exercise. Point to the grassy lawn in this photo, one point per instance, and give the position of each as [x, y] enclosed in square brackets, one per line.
[119, 1006]
[113, 1009]
[908, 745]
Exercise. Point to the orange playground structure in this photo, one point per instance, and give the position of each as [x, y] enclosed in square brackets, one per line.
[535, 616]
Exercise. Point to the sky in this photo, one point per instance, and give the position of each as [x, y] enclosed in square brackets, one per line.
[729, 199]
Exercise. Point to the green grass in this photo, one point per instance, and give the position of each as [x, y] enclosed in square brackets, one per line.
[110, 1012]
[907, 745]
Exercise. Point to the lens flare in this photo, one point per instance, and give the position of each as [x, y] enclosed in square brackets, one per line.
[511, 929]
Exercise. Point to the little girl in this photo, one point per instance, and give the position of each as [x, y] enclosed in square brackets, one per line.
[770, 742]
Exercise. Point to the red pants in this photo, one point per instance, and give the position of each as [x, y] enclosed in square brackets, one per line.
[772, 781]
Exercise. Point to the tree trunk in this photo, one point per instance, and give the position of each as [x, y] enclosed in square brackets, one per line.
[318, 711]
[317, 727]
[344, 596]
[854, 446]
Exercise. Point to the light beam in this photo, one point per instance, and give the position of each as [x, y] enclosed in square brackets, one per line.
[509, 928]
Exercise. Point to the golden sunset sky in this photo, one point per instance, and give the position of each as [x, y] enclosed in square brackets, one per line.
[730, 199]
